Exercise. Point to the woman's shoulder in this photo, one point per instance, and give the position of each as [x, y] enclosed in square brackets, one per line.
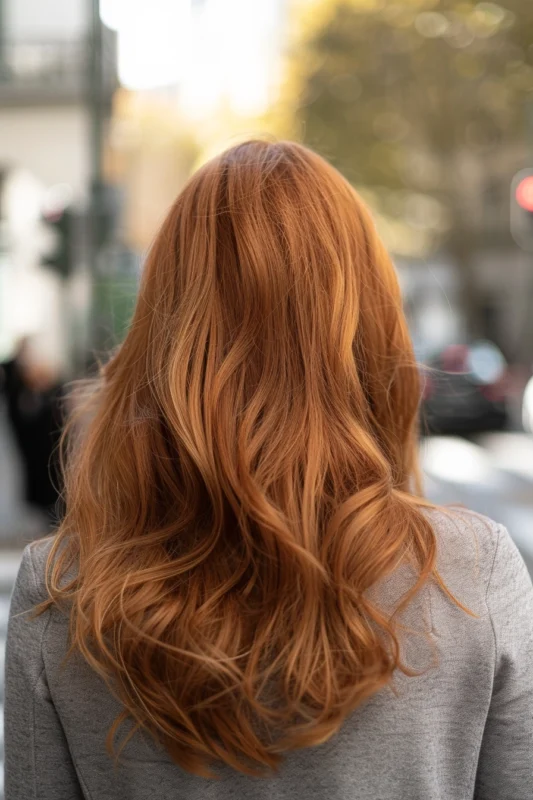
[475, 554]
[461, 532]
[31, 578]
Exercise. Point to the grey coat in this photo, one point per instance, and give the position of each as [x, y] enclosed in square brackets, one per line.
[463, 730]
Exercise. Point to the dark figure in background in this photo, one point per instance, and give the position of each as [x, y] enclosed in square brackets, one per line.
[34, 407]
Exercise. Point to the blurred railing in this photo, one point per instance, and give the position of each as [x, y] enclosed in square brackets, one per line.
[41, 72]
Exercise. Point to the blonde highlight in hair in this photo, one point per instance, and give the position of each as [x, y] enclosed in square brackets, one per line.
[248, 470]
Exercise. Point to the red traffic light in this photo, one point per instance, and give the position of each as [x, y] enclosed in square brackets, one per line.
[524, 193]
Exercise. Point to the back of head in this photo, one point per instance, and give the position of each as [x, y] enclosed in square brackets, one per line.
[247, 472]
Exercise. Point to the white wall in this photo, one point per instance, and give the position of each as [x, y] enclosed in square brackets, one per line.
[30, 296]
[52, 143]
[35, 20]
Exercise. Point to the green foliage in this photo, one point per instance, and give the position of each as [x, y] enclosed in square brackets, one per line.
[392, 92]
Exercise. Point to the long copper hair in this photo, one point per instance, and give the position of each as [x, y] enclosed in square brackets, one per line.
[247, 471]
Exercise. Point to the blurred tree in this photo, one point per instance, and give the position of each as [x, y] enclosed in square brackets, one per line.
[406, 98]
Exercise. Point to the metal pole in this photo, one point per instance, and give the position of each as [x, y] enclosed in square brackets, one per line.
[96, 114]
[525, 345]
[3, 67]
[95, 110]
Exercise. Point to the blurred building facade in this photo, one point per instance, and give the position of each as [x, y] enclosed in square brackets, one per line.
[45, 118]
[45, 56]
[501, 273]
[504, 272]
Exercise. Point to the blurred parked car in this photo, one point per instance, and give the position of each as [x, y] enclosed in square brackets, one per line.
[464, 390]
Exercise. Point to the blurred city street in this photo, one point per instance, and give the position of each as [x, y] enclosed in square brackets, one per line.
[426, 107]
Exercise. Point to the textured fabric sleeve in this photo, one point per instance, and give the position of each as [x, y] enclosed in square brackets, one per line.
[38, 764]
[505, 768]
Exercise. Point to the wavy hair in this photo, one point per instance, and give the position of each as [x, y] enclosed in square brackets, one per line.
[247, 471]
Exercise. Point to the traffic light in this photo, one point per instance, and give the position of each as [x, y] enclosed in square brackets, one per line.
[60, 256]
[522, 209]
[103, 221]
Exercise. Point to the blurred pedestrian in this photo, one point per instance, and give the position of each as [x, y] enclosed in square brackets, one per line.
[247, 580]
[33, 394]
